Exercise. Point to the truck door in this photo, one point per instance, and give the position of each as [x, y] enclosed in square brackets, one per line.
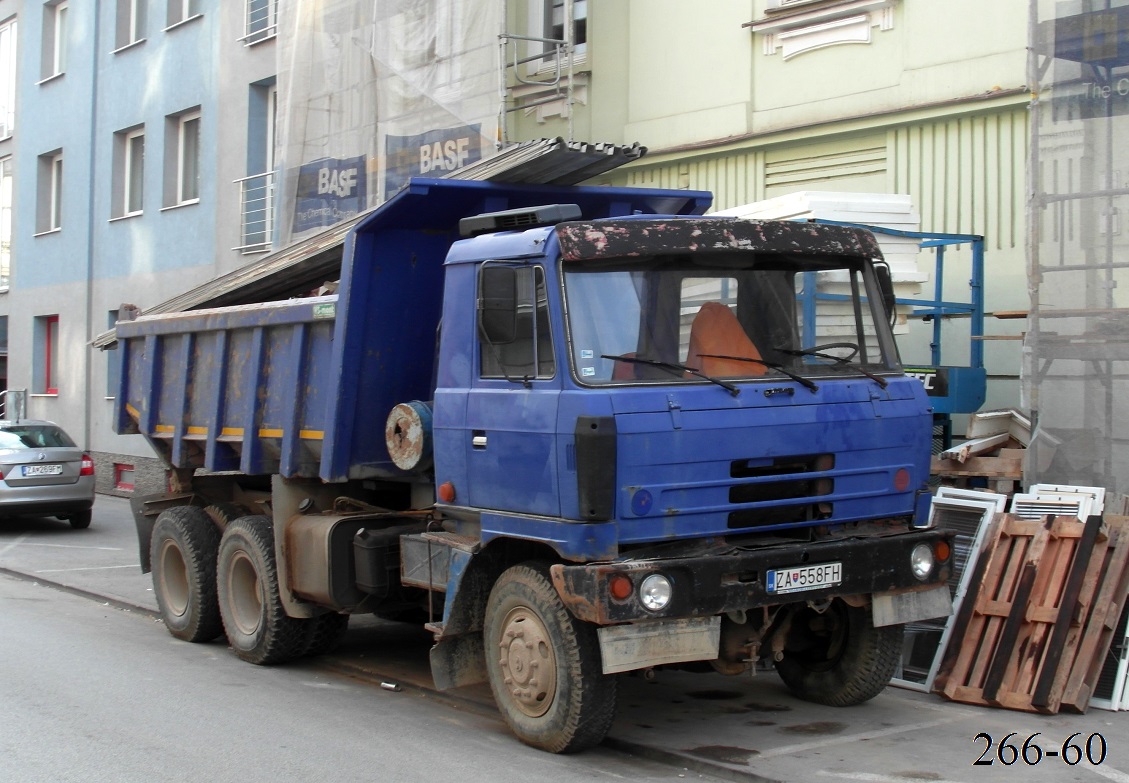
[512, 406]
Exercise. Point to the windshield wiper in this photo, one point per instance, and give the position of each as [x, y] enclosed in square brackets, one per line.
[840, 362]
[674, 368]
[770, 365]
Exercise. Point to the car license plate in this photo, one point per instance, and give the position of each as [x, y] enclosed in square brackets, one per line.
[812, 577]
[42, 470]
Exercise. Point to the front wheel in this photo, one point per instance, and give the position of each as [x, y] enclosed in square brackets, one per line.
[544, 665]
[257, 626]
[838, 657]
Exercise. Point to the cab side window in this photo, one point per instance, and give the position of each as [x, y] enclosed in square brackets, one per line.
[530, 354]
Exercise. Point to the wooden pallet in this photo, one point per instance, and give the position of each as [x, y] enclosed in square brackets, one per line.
[1100, 624]
[1002, 471]
[1034, 585]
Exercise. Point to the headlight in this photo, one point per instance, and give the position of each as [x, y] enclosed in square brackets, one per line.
[655, 592]
[921, 561]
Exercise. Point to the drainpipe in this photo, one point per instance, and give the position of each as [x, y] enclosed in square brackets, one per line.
[88, 361]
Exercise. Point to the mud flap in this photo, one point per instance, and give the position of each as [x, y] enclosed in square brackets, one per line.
[639, 645]
[900, 607]
[457, 661]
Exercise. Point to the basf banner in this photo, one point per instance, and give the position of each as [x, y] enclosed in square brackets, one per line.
[430, 154]
[329, 190]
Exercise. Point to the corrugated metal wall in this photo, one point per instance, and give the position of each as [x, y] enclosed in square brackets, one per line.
[965, 175]
[736, 178]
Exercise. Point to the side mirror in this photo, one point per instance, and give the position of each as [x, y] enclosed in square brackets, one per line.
[886, 287]
[497, 304]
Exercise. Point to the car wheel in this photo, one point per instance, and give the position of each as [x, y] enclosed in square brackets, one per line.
[81, 520]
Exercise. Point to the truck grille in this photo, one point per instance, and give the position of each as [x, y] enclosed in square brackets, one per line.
[773, 483]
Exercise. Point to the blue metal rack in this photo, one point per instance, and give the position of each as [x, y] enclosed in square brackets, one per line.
[952, 388]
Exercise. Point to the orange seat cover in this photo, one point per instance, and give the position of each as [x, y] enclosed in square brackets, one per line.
[714, 332]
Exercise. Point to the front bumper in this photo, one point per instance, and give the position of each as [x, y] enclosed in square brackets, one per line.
[736, 579]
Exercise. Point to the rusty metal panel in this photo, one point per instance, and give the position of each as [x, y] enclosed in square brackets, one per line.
[635, 238]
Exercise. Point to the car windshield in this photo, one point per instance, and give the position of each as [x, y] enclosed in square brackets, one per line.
[677, 319]
[33, 436]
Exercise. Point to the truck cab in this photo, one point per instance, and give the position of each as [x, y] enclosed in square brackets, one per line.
[644, 379]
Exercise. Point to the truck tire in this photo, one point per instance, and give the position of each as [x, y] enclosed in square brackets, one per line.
[183, 553]
[223, 514]
[840, 659]
[258, 628]
[544, 665]
[324, 633]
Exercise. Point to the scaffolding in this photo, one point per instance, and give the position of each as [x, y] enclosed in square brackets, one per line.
[1076, 351]
[373, 93]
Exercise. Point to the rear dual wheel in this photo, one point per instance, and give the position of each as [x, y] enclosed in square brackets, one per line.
[258, 628]
[183, 555]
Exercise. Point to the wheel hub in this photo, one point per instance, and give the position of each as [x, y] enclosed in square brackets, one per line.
[246, 594]
[174, 579]
[529, 667]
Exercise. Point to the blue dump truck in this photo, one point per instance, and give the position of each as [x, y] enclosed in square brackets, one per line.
[578, 431]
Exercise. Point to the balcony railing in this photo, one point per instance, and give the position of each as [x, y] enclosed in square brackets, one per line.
[13, 404]
[261, 21]
[257, 207]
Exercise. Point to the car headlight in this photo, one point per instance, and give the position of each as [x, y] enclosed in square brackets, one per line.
[655, 592]
[921, 561]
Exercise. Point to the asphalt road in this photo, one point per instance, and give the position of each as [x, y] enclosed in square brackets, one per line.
[681, 726]
[93, 694]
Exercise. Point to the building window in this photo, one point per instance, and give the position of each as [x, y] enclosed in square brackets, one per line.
[182, 163]
[54, 60]
[130, 23]
[113, 360]
[261, 21]
[129, 172]
[182, 11]
[257, 188]
[7, 78]
[123, 477]
[49, 209]
[46, 372]
[5, 223]
[777, 4]
[555, 12]
[11, 405]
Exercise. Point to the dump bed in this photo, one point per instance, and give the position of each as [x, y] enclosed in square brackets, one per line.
[303, 387]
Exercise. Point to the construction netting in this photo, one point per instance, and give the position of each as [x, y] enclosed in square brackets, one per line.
[1076, 351]
[372, 93]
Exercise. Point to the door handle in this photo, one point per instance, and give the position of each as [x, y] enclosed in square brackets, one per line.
[478, 439]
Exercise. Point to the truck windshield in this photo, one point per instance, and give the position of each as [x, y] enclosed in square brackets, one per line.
[676, 319]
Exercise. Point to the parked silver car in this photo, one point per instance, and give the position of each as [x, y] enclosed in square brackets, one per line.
[43, 472]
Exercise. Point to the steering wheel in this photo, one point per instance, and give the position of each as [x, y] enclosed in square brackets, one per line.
[852, 347]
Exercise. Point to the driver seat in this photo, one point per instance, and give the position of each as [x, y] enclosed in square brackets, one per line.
[715, 331]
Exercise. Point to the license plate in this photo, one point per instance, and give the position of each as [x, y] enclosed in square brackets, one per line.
[812, 577]
[43, 470]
